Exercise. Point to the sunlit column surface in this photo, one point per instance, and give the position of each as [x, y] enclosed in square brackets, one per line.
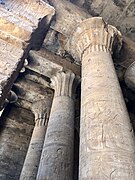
[107, 145]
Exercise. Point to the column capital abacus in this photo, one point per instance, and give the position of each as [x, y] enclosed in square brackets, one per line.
[64, 83]
[92, 35]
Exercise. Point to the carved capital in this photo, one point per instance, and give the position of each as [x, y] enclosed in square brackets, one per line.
[64, 83]
[92, 35]
[41, 110]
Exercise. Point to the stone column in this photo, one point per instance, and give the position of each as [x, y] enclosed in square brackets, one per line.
[57, 155]
[107, 148]
[41, 110]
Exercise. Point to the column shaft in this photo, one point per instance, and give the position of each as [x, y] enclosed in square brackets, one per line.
[106, 137]
[31, 163]
[32, 159]
[57, 155]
